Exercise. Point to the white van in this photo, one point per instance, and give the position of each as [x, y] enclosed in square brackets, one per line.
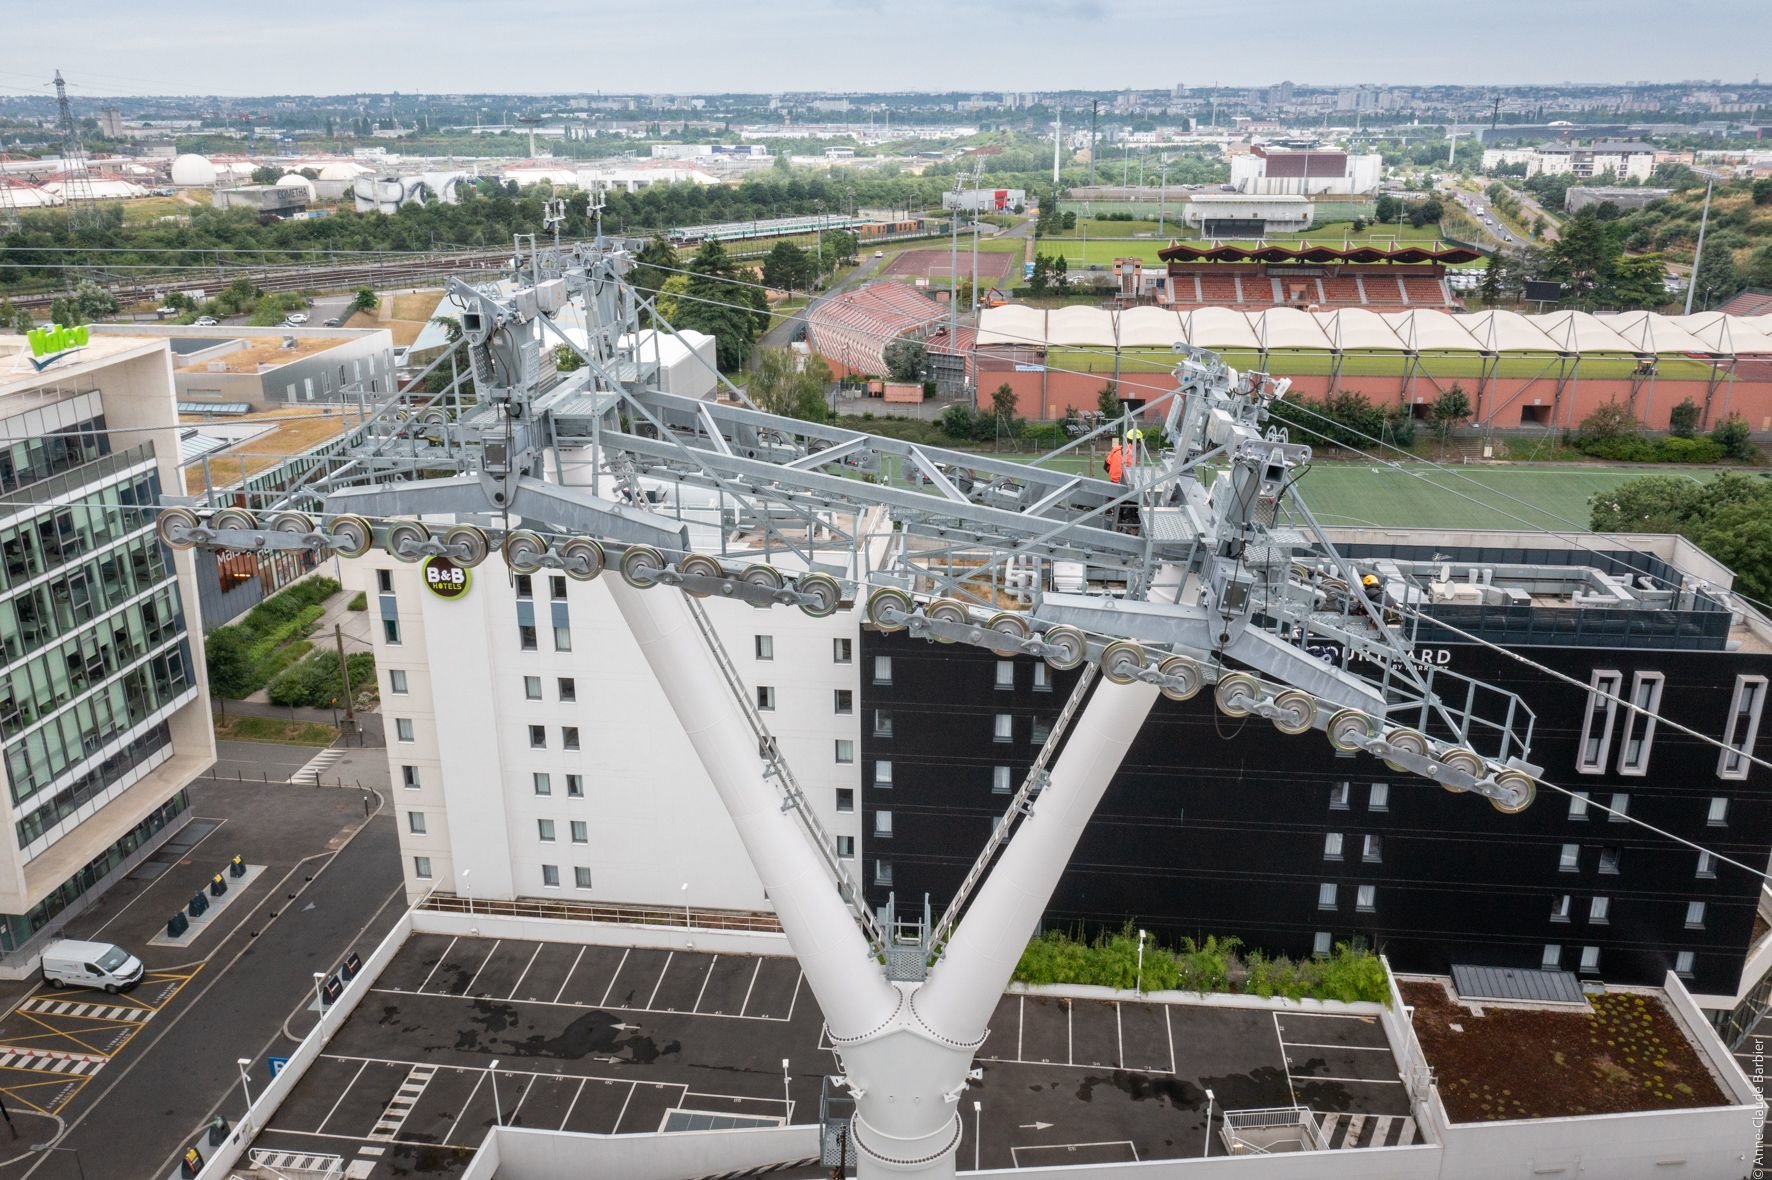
[90, 964]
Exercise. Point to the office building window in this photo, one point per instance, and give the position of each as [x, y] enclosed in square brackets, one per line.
[538, 737]
[882, 774]
[845, 751]
[1552, 959]
[544, 830]
[882, 723]
[1609, 856]
[765, 647]
[1578, 801]
[882, 824]
[581, 831]
[1639, 723]
[403, 729]
[1620, 805]
[765, 697]
[1332, 846]
[1372, 849]
[569, 736]
[1000, 781]
[415, 822]
[532, 688]
[1366, 898]
[390, 631]
[550, 876]
[384, 581]
[1005, 673]
[1042, 677]
[525, 586]
[581, 876]
[575, 786]
[846, 847]
[409, 777]
[1707, 865]
[1326, 896]
[842, 651]
[1683, 963]
[1039, 730]
[1598, 908]
[1590, 959]
[1569, 860]
[568, 689]
[1321, 944]
[397, 681]
[1596, 724]
[882, 872]
[1338, 796]
[557, 587]
[1380, 798]
[843, 701]
[562, 637]
[1695, 915]
[526, 637]
[1560, 908]
[421, 867]
[1003, 728]
[882, 669]
[845, 800]
[1744, 726]
[544, 785]
[1718, 814]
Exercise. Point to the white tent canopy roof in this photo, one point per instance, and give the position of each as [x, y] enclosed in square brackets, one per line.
[1218, 327]
[1647, 332]
[1355, 327]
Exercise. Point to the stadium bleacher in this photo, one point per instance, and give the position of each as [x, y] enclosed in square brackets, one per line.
[1298, 274]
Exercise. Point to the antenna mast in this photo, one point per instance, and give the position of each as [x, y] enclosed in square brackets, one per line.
[76, 181]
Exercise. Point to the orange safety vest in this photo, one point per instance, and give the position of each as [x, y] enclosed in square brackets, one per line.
[1116, 461]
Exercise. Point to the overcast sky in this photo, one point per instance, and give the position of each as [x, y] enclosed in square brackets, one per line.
[688, 46]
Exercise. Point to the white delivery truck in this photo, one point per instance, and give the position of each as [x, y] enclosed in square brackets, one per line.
[90, 964]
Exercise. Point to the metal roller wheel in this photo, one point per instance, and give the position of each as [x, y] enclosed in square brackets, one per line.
[1296, 711]
[948, 610]
[1183, 679]
[1466, 761]
[405, 535]
[350, 536]
[1237, 694]
[890, 600]
[1522, 785]
[641, 565]
[1066, 647]
[1121, 661]
[173, 526]
[1010, 626]
[1408, 741]
[1350, 730]
[825, 594]
[701, 566]
[766, 577]
[296, 524]
[583, 558]
[524, 550]
[233, 518]
[471, 541]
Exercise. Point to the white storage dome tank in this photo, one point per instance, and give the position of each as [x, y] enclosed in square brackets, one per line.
[191, 170]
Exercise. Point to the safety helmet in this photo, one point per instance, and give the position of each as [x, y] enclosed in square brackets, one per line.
[1368, 580]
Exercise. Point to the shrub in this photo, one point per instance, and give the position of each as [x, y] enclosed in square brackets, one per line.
[1682, 420]
[1733, 436]
[314, 683]
[1689, 450]
[359, 601]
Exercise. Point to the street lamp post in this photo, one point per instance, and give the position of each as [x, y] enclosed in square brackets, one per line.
[1208, 1142]
[319, 992]
[787, 1102]
[498, 1114]
[1138, 980]
[689, 939]
[467, 885]
[977, 1117]
[1698, 254]
[243, 1062]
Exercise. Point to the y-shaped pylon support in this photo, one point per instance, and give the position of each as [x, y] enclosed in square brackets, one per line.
[906, 1049]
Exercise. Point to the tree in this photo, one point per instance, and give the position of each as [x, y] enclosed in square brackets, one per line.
[1736, 439]
[364, 300]
[958, 421]
[1716, 279]
[1450, 409]
[1682, 420]
[227, 654]
[781, 383]
[1606, 423]
[1003, 405]
[1041, 280]
[786, 267]
[1492, 280]
[654, 262]
[23, 321]
[265, 174]
[731, 310]
[906, 360]
[843, 244]
[1636, 282]
[1762, 191]
[669, 301]
[1061, 274]
[1584, 255]
[63, 311]
[1107, 401]
[1387, 208]
[565, 360]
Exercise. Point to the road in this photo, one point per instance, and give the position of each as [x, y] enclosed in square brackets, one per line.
[782, 334]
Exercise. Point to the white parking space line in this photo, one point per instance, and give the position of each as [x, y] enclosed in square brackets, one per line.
[795, 998]
[525, 974]
[400, 991]
[469, 990]
[1015, 1152]
[1021, 1023]
[616, 1129]
[662, 972]
[752, 987]
[521, 1097]
[624, 962]
[704, 985]
[1169, 1035]
[341, 1096]
[479, 1080]
[570, 1106]
[569, 971]
[1070, 1044]
[1353, 1048]
[1281, 1038]
[1312, 1077]
[441, 959]
[1119, 1036]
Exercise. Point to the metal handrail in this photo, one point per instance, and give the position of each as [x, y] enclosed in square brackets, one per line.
[746, 920]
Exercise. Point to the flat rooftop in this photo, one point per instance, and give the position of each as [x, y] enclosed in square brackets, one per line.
[255, 353]
[288, 430]
[614, 1040]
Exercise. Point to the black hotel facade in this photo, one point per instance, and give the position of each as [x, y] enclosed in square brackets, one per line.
[1215, 825]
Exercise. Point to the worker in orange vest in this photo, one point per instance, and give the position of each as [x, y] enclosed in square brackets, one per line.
[1116, 462]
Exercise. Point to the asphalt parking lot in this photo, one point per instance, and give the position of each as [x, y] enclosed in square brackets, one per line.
[615, 1040]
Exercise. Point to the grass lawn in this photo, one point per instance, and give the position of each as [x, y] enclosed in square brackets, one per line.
[271, 729]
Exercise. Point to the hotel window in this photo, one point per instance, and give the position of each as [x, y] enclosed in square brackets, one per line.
[1338, 796]
[1326, 896]
[1042, 677]
[1372, 849]
[1003, 728]
[1744, 726]
[1683, 963]
[1039, 731]
[581, 876]
[1560, 908]
[390, 631]
[765, 647]
[538, 737]
[1569, 860]
[882, 774]
[1321, 944]
[843, 701]
[526, 636]
[568, 689]
[525, 586]
[421, 867]
[1332, 846]
[1578, 801]
[557, 588]
[415, 822]
[550, 876]
[1596, 725]
[397, 682]
[1552, 957]
[1366, 898]
[845, 847]
[765, 697]
[1001, 783]
[1695, 915]
[1005, 673]
[1380, 798]
[1707, 865]
[845, 800]
[544, 830]
[581, 832]
[842, 651]
[882, 669]
[403, 728]
[1718, 815]
[882, 872]
[569, 736]
[543, 784]
[845, 751]
[384, 581]
[882, 824]
[1620, 805]
[1609, 859]
[1639, 723]
[1590, 959]
[409, 777]
[575, 786]
[532, 688]
[562, 637]
[1598, 908]
[882, 723]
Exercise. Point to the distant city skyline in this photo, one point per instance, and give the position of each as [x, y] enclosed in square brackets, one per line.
[205, 47]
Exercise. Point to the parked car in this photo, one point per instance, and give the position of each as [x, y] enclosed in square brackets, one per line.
[90, 964]
[296, 318]
[205, 321]
[332, 323]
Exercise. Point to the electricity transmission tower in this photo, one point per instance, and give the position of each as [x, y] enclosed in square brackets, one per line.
[77, 195]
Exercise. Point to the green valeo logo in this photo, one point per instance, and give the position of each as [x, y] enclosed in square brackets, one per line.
[53, 338]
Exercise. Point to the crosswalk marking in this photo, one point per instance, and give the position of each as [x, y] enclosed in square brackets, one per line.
[1350, 1130]
[319, 764]
[46, 1061]
[401, 1104]
[85, 1011]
